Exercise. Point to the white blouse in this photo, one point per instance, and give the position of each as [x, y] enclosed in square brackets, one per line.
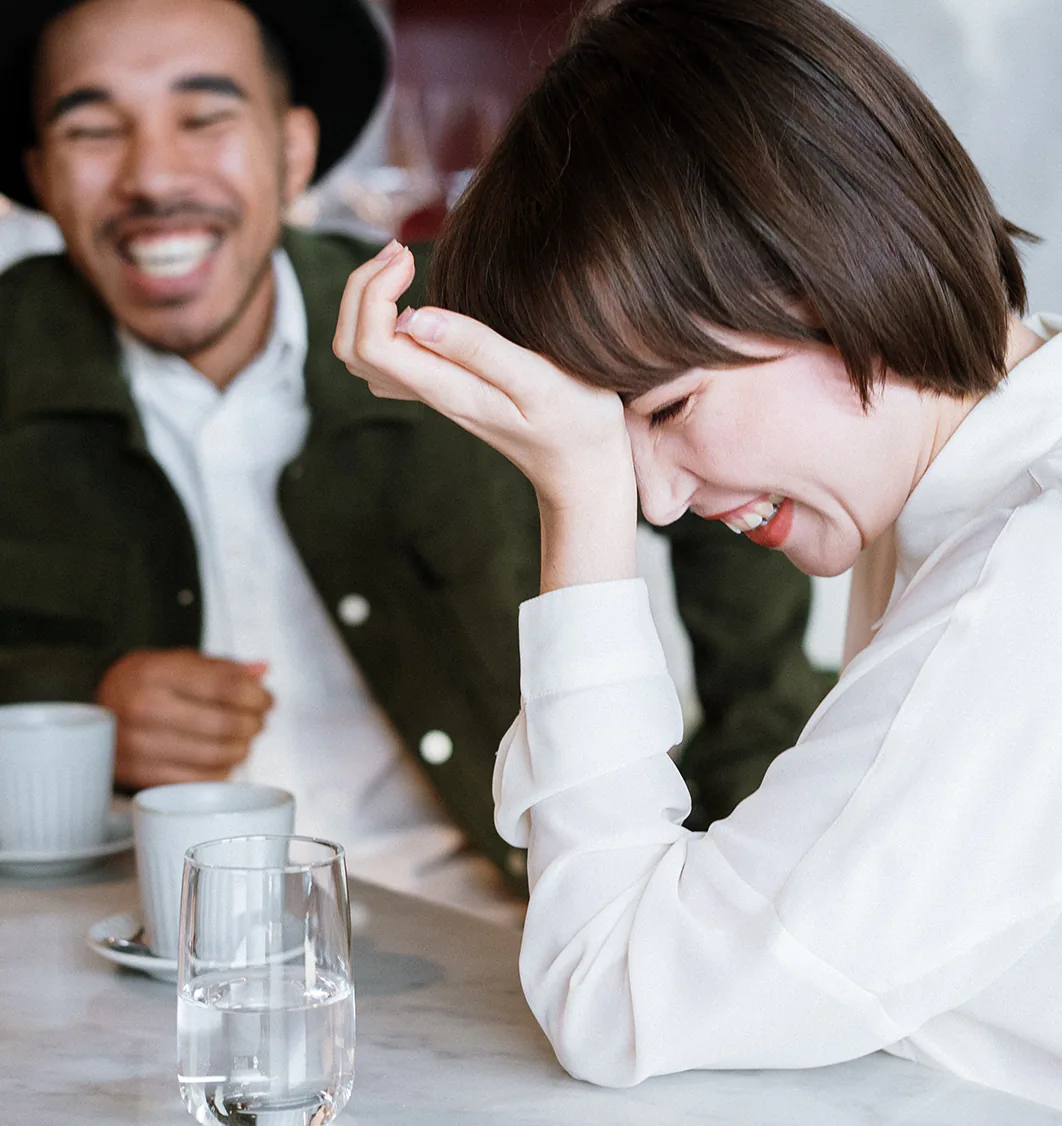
[896, 882]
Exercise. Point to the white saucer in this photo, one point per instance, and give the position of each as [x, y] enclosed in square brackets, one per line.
[63, 862]
[127, 924]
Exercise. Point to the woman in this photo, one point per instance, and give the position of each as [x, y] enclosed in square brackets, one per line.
[727, 252]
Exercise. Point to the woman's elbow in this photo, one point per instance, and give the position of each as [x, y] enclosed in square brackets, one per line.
[589, 1022]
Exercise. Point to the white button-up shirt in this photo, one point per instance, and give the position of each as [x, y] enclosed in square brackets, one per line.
[326, 740]
[895, 883]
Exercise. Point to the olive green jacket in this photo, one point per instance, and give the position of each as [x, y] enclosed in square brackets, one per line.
[387, 501]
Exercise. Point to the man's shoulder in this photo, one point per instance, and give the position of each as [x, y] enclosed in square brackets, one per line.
[325, 257]
[36, 275]
[323, 261]
[50, 316]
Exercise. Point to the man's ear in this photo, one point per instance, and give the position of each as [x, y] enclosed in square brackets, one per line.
[31, 162]
[300, 150]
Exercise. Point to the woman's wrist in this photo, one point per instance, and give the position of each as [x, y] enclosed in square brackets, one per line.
[590, 539]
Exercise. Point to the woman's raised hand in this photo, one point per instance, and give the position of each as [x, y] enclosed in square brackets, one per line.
[567, 437]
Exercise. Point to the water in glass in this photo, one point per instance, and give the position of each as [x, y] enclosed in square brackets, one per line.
[265, 999]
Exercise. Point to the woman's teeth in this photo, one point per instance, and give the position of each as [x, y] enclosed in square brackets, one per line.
[173, 256]
[756, 515]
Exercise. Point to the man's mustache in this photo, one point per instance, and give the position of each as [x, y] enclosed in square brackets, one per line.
[176, 209]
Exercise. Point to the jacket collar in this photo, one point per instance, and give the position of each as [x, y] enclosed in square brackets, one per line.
[337, 399]
[59, 352]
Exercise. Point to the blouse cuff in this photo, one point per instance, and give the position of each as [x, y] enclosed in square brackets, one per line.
[586, 636]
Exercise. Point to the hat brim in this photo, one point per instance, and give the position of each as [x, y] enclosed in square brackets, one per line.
[338, 59]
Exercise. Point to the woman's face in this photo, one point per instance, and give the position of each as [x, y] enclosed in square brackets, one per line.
[783, 451]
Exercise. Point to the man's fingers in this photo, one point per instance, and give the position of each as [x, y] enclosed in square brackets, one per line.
[162, 744]
[142, 684]
[209, 721]
[211, 680]
[137, 773]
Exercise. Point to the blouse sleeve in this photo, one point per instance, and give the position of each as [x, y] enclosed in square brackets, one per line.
[895, 861]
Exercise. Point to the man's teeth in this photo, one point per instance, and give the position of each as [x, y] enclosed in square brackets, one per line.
[171, 257]
[763, 512]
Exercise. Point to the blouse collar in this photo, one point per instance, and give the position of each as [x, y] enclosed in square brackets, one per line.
[1008, 430]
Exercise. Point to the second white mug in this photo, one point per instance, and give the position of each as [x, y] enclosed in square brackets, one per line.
[169, 820]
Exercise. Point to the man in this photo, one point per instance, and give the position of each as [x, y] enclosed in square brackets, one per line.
[207, 525]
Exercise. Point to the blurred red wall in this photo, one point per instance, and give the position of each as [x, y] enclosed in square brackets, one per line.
[500, 44]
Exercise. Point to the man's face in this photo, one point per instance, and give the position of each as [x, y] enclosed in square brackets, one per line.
[166, 155]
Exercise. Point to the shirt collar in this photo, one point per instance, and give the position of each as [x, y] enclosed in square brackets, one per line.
[1009, 429]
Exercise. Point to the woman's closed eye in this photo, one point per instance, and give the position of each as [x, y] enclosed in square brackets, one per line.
[669, 412]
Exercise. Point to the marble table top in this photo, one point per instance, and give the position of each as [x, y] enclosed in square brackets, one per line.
[443, 1036]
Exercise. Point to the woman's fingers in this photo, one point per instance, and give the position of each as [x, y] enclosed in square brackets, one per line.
[474, 347]
[393, 255]
[394, 364]
[436, 356]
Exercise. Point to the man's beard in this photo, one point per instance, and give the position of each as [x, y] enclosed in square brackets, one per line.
[188, 340]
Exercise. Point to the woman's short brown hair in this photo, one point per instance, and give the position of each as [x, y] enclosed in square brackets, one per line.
[757, 165]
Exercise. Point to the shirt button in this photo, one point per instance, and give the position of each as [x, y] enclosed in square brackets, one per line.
[516, 862]
[185, 597]
[436, 747]
[353, 610]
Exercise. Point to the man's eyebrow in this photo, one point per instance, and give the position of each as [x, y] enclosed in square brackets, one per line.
[192, 84]
[210, 84]
[83, 96]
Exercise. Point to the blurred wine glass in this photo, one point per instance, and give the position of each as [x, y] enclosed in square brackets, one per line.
[437, 138]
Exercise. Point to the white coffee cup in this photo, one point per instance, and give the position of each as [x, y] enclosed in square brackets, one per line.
[169, 820]
[56, 776]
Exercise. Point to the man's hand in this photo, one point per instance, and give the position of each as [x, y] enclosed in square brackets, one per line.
[182, 717]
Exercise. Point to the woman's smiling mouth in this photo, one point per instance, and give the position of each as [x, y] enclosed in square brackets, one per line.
[766, 520]
[749, 517]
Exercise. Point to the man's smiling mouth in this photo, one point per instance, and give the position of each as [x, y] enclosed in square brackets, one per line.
[166, 256]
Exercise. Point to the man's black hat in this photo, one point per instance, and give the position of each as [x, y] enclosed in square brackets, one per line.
[335, 50]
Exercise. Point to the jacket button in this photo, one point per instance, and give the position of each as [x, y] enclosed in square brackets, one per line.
[185, 597]
[436, 747]
[353, 610]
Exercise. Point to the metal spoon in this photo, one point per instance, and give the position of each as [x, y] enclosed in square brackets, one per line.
[133, 945]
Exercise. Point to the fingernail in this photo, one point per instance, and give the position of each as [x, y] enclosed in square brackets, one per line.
[402, 324]
[391, 250]
[426, 325]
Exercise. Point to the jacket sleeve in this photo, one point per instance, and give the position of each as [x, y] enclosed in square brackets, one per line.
[58, 606]
[42, 672]
[844, 904]
[746, 611]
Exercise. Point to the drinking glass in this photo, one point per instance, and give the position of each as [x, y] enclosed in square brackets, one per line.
[265, 994]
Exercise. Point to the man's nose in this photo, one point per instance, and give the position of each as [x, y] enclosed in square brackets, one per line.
[152, 164]
[665, 488]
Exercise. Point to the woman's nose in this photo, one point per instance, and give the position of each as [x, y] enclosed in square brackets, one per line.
[665, 488]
